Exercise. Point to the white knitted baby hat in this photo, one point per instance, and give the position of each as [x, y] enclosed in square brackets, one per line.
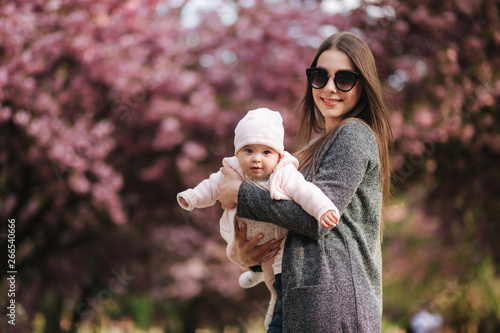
[260, 126]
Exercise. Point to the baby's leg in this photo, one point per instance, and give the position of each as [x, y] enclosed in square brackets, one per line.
[267, 268]
[233, 256]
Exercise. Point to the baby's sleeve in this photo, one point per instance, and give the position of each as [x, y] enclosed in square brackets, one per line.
[306, 194]
[205, 194]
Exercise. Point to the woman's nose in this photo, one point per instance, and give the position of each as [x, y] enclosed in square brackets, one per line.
[330, 85]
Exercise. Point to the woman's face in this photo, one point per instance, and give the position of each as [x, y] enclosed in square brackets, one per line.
[331, 102]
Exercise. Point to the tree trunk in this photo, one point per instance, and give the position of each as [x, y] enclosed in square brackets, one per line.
[52, 305]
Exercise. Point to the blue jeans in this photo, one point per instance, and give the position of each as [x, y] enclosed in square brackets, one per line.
[276, 325]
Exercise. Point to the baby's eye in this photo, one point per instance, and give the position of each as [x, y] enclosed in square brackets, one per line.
[267, 152]
[248, 151]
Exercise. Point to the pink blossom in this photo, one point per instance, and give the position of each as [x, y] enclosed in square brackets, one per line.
[5, 114]
[396, 212]
[156, 171]
[116, 211]
[473, 43]
[116, 107]
[79, 183]
[431, 165]
[169, 134]
[101, 170]
[10, 203]
[4, 76]
[184, 164]
[202, 103]
[488, 120]
[100, 193]
[22, 118]
[45, 103]
[413, 147]
[194, 150]
[397, 162]
[100, 149]
[467, 133]
[115, 181]
[424, 117]
[397, 124]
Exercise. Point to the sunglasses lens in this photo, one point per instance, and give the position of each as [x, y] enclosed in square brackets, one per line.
[345, 81]
[317, 77]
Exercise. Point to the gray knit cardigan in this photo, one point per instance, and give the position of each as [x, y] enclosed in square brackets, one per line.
[332, 277]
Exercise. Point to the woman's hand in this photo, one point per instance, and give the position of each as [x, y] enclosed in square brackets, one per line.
[228, 188]
[248, 252]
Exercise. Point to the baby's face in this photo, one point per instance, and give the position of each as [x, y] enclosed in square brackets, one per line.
[257, 161]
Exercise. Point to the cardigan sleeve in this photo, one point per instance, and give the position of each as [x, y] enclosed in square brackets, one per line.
[305, 193]
[350, 153]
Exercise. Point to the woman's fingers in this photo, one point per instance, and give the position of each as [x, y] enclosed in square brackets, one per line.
[242, 247]
[273, 249]
[271, 254]
[230, 173]
[265, 251]
[252, 243]
[236, 230]
[228, 188]
[248, 252]
[240, 233]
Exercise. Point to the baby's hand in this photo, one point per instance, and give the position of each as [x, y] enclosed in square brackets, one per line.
[329, 219]
[185, 204]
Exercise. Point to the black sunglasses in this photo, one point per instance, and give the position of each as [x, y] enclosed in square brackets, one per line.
[344, 80]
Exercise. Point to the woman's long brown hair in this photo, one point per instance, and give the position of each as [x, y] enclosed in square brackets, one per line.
[370, 109]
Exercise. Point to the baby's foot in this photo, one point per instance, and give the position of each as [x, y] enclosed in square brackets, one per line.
[250, 279]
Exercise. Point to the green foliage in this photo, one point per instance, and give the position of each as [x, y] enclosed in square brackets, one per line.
[140, 309]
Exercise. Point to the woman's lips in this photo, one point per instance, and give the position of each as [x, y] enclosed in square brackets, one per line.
[331, 101]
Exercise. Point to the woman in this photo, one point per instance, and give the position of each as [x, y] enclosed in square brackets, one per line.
[332, 277]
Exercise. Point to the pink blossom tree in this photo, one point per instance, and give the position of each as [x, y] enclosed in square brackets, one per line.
[109, 108]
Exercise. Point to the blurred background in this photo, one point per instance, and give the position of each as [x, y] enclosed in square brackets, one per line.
[110, 107]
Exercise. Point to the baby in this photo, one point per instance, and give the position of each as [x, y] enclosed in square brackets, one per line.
[261, 160]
